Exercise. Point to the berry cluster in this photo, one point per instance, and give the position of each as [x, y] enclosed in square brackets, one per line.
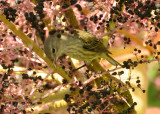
[10, 13]
[102, 99]
[36, 20]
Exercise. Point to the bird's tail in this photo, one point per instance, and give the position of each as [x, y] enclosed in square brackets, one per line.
[111, 60]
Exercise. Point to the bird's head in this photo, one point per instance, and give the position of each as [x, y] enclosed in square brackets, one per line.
[51, 48]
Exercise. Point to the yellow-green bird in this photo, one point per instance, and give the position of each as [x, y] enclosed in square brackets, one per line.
[80, 45]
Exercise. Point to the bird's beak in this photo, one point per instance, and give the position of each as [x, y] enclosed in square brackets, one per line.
[55, 61]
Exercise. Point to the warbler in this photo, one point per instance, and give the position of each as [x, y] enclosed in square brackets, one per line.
[80, 45]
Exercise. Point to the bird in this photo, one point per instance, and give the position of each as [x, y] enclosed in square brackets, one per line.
[79, 45]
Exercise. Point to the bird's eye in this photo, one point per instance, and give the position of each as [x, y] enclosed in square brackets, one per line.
[53, 50]
[58, 35]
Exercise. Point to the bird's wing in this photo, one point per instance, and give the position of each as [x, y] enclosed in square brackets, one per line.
[91, 43]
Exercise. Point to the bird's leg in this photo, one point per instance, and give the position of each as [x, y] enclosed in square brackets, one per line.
[87, 63]
[74, 70]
